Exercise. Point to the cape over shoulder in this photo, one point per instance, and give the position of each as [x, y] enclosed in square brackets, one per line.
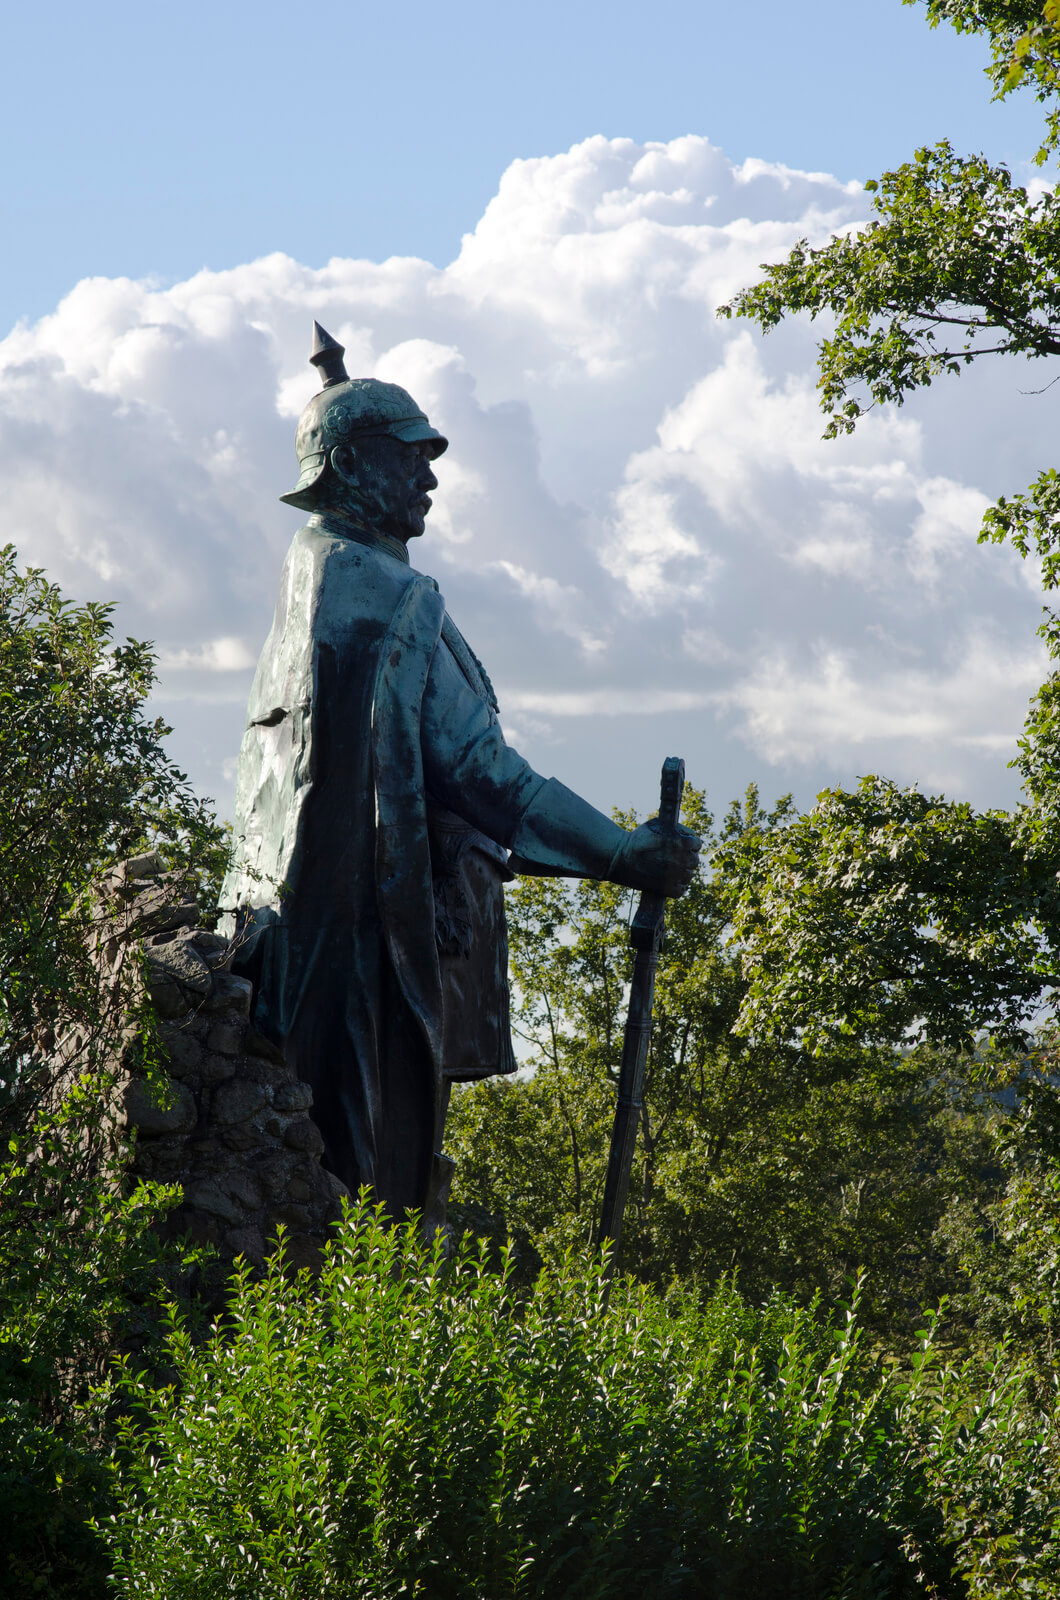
[334, 591]
[338, 601]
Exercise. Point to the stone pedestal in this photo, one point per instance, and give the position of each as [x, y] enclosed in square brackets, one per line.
[224, 1116]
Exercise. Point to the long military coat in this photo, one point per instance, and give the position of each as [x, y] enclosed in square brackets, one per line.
[375, 801]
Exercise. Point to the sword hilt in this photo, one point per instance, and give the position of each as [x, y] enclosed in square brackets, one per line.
[646, 929]
[671, 792]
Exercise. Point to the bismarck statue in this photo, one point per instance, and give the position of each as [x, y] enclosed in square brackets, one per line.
[379, 812]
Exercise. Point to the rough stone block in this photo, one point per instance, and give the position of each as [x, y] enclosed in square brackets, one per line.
[176, 960]
[160, 1107]
[183, 1049]
[256, 1044]
[230, 994]
[168, 999]
[305, 1136]
[226, 1038]
[161, 1159]
[292, 1096]
[237, 1100]
[159, 909]
[336, 1188]
[292, 1216]
[275, 1170]
[149, 865]
[244, 1188]
[242, 1136]
[259, 1071]
[247, 1242]
[208, 1196]
[215, 1069]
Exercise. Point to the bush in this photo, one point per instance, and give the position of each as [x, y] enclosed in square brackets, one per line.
[408, 1426]
[989, 1442]
[79, 1264]
[85, 780]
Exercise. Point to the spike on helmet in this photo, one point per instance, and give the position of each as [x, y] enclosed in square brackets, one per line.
[326, 355]
[348, 409]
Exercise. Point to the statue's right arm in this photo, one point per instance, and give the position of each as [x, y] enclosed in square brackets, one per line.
[550, 830]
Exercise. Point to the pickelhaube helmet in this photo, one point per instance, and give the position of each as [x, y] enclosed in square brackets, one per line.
[348, 409]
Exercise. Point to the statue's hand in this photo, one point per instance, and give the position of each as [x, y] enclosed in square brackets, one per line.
[656, 862]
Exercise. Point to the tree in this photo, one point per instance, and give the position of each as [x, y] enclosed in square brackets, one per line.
[789, 1161]
[885, 915]
[958, 263]
[84, 780]
[1024, 38]
[886, 909]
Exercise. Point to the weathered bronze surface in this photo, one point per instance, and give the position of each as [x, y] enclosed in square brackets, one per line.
[379, 811]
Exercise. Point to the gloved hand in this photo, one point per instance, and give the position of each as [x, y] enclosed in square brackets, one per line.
[657, 862]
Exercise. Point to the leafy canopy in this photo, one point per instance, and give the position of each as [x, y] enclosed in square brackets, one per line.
[1024, 39]
[792, 1161]
[86, 780]
[885, 915]
[958, 263]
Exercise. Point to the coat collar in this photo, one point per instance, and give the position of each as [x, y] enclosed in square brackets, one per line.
[339, 524]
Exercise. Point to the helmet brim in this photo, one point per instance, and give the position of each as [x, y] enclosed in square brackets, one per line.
[417, 432]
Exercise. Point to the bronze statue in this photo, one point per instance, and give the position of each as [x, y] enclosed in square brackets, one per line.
[379, 812]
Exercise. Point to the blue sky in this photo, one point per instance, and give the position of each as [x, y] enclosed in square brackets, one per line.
[637, 526]
[155, 139]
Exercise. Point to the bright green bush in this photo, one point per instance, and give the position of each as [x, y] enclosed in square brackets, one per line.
[988, 1438]
[408, 1426]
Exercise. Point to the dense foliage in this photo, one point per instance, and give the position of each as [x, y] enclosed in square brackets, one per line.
[957, 264]
[1024, 39]
[85, 780]
[409, 1426]
[761, 1151]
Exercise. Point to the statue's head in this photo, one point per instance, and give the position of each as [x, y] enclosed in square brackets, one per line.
[364, 447]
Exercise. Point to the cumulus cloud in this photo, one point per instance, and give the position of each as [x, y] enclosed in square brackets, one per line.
[638, 525]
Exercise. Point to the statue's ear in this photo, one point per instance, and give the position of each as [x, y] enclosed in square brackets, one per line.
[342, 460]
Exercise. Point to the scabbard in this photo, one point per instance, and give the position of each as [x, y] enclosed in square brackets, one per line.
[630, 1099]
[646, 937]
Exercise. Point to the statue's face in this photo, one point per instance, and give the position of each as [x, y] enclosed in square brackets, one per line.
[386, 483]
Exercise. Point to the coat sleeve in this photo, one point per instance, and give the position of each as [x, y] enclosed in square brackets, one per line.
[470, 769]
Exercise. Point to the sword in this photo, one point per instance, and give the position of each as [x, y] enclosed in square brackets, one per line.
[646, 937]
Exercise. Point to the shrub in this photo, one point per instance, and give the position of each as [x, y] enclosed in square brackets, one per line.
[411, 1426]
[989, 1442]
[79, 1263]
[84, 779]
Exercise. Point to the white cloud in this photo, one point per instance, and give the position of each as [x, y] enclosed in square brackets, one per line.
[839, 705]
[215, 655]
[638, 525]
